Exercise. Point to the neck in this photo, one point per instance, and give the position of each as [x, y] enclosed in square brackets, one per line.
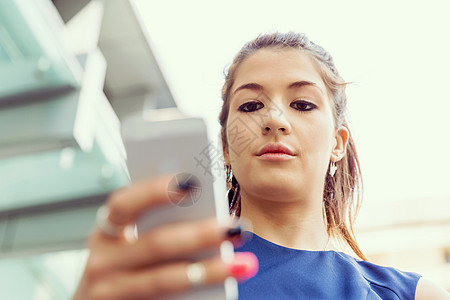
[294, 224]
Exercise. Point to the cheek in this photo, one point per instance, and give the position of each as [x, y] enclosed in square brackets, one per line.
[241, 134]
[318, 140]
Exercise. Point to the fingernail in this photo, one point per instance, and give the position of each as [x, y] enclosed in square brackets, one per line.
[236, 230]
[187, 184]
[184, 186]
[187, 181]
[244, 266]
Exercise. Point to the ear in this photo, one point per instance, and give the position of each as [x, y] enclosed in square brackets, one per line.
[340, 144]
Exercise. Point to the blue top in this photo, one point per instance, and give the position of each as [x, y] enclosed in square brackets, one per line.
[286, 273]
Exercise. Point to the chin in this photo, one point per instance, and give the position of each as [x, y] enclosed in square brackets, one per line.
[276, 187]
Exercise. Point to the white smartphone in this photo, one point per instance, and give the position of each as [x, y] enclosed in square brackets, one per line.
[167, 142]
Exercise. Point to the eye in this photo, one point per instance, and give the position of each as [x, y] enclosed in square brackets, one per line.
[250, 106]
[302, 105]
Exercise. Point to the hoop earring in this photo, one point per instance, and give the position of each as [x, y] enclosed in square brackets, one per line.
[333, 168]
[235, 193]
[229, 176]
[231, 188]
[229, 172]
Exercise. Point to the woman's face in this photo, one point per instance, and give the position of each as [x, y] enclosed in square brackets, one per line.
[280, 130]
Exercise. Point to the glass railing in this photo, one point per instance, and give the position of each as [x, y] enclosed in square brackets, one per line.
[58, 175]
[60, 141]
[34, 59]
[42, 277]
[64, 148]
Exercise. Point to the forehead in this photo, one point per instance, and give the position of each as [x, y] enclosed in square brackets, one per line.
[278, 67]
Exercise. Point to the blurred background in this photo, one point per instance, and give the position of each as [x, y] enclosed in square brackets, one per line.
[72, 71]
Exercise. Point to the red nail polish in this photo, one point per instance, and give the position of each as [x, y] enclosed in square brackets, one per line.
[244, 266]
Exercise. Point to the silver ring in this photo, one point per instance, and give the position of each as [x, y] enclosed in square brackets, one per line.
[104, 224]
[196, 274]
[129, 232]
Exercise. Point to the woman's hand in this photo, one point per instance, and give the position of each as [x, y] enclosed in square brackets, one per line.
[157, 263]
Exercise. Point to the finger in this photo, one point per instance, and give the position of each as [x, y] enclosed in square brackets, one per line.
[126, 204]
[172, 278]
[180, 241]
[169, 242]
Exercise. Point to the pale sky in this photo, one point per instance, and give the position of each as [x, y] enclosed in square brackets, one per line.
[396, 53]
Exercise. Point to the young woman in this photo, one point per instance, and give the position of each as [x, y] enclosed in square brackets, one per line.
[293, 172]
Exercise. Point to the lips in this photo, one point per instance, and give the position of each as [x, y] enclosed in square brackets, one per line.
[276, 148]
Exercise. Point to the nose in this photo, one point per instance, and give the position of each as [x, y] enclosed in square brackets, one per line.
[276, 123]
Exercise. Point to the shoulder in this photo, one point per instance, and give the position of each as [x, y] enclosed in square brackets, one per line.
[426, 289]
[388, 282]
[382, 275]
[403, 283]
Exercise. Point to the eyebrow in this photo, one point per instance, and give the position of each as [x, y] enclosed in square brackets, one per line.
[299, 84]
[249, 86]
[257, 87]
